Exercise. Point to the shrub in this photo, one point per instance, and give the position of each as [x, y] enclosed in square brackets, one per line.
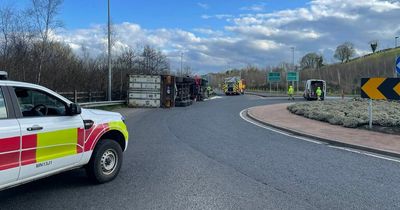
[349, 113]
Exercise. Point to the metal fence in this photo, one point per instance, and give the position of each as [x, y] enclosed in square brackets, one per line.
[91, 96]
[91, 99]
[80, 97]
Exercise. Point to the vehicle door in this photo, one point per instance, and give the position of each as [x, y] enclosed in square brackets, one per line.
[51, 138]
[10, 140]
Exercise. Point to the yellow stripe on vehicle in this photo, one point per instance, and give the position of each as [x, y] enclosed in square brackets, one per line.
[120, 126]
[56, 144]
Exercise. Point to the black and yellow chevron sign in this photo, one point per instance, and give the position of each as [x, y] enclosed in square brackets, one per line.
[380, 88]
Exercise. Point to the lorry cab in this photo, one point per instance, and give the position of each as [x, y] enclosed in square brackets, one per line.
[311, 87]
[42, 133]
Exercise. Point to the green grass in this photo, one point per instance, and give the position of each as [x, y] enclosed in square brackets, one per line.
[372, 57]
[110, 108]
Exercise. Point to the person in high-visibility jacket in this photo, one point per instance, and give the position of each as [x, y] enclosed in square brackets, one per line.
[290, 93]
[208, 91]
[319, 93]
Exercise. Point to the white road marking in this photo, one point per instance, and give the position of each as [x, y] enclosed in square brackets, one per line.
[275, 130]
[366, 153]
[212, 98]
[317, 142]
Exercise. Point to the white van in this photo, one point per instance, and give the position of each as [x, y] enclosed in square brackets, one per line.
[311, 87]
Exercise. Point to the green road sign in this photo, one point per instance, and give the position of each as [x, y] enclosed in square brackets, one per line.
[274, 77]
[293, 76]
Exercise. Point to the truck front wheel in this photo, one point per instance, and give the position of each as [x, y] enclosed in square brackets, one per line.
[105, 162]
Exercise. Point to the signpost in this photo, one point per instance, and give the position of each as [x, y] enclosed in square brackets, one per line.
[293, 76]
[379, 89]
[398, 66]
[274, 77]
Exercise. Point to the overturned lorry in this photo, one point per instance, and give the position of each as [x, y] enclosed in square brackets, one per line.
[165, 91]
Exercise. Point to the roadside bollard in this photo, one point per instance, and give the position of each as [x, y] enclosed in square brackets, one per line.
[342, 94]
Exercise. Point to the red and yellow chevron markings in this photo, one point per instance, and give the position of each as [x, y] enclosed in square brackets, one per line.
[380, 88]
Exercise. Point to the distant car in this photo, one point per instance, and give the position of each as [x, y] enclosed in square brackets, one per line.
[311, 87]
[42, 133]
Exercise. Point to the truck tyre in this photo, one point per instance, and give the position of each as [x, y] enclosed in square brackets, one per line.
[106, 161]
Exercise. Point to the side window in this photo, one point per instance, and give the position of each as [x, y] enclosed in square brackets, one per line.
[3, 109]
[36, 103]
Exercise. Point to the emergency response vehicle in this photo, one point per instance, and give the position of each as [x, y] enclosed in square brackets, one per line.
[233, 86]
[42, 133]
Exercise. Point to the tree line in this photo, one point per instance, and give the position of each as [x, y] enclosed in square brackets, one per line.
[30, 53]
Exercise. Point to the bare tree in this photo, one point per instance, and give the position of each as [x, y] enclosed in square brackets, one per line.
[44, 14]
[153, 61]
[6, 18]
[344, 52]
[311, 61]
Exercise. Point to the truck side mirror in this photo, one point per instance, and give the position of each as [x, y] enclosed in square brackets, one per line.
[74, 109]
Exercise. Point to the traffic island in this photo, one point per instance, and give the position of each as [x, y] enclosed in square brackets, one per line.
[278, 116]
[352, 113]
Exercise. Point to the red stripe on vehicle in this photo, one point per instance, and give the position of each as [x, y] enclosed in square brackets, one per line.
[94, 134]
[29, 141]
[81, 140]
[29, 156]
[9, 144]
[9, 160]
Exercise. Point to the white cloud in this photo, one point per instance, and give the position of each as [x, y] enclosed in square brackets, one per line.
[206, 16]
[261, 38]
[209, 32]
[255, 7]
[217, 16]
[203, 5]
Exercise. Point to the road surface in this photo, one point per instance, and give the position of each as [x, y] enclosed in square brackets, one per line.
[207, 157]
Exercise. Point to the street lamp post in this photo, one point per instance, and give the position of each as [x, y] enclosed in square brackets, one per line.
[292, 57]
[395, 46]
[109, 53]
[181, 63]
[293, 67]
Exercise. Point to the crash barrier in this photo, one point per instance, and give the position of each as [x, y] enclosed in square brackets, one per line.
[91, 96]
[165, 91]
[102, 104]
[271, 94]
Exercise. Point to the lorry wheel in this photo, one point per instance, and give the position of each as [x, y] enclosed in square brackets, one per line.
[106, 161]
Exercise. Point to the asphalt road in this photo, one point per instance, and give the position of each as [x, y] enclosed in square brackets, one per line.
[207, 157]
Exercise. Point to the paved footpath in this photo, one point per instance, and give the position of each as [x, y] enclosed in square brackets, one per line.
[279, 117]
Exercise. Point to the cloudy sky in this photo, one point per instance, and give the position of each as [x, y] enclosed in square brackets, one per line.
[215, 34]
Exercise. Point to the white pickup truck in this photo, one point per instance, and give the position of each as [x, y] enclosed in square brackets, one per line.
[43, 133]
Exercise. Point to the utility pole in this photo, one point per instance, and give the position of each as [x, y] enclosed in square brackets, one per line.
[182, 63]
[292, 57]
[293, 69]
[109, 53]
[395, 46]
